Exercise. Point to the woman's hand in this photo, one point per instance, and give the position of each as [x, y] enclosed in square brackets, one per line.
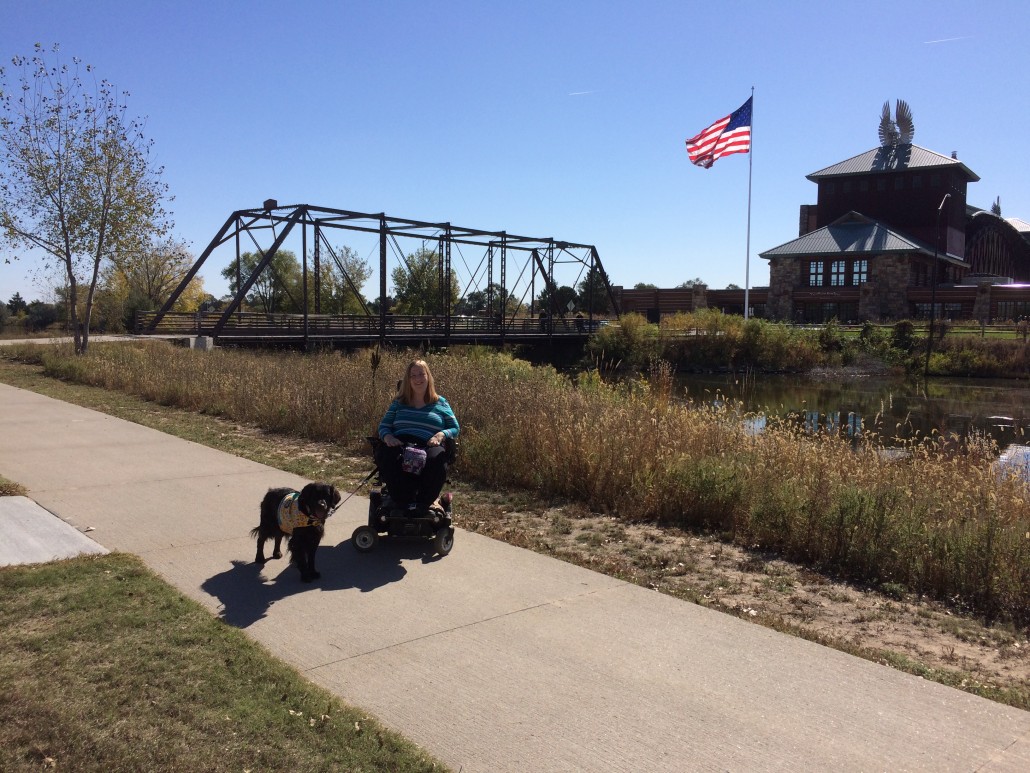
[392, 441]
[436, 439]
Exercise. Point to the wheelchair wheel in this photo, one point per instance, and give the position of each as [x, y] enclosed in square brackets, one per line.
[444, 540]
[364, 539]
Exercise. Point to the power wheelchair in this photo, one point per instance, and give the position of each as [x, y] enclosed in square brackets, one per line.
[389, 518]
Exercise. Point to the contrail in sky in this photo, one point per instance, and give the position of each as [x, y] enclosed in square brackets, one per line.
[946, 40]
[579, 93]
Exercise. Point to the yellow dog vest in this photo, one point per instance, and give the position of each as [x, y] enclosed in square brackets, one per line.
[290, 516]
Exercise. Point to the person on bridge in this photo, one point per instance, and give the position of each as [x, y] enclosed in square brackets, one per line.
[417, 418]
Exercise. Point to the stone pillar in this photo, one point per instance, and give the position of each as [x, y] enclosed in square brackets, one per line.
[699, 297]
[783, 276]
[869, 302]
[890, 274]
[982, 303]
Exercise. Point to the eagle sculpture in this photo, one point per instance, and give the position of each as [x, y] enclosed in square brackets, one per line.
[900, 130]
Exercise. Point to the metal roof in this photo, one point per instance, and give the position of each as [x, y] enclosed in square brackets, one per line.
[892, 159]
[853, 234]
[1020, 225]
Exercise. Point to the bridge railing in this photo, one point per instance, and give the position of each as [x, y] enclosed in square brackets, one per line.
[251, 323]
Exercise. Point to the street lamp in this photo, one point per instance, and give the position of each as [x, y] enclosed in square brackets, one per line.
[933, 284]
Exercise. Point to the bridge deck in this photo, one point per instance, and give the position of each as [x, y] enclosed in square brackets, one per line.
[256, 328]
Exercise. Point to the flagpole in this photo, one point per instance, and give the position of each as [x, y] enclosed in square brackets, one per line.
[747, 256]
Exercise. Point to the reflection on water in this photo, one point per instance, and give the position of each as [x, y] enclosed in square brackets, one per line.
[893, 410]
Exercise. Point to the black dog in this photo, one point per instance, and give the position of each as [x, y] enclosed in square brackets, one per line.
[299, 515]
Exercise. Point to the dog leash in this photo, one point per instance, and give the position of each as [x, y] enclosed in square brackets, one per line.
[366, 479]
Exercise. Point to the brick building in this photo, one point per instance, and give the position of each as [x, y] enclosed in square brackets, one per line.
[866, 249]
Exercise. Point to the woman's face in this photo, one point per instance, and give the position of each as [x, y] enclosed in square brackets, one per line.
[417, 378]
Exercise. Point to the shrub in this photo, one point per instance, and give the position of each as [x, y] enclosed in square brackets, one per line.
[629, 345]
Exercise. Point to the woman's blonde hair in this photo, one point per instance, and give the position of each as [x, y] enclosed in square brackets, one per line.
[404, 393]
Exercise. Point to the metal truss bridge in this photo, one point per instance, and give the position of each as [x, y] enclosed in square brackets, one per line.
[517, 278]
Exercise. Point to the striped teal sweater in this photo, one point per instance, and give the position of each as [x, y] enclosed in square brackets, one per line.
[421, 423]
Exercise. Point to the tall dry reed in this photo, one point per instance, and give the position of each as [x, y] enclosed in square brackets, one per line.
[935, 518]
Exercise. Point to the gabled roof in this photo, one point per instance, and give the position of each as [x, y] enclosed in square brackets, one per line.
[893, 159]
[854, 235]
[1020, 225]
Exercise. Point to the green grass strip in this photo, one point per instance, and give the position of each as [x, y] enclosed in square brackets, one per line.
[105, 667]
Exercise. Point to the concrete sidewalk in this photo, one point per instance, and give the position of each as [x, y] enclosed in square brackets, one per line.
[493, 658]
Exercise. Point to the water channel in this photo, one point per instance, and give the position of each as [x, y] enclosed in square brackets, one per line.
[891, 409]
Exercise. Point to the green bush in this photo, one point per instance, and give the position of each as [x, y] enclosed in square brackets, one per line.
[629, 345]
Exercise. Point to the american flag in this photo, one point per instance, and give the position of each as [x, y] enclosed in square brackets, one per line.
[731, 134]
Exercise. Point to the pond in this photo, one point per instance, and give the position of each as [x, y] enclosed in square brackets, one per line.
[892, 409]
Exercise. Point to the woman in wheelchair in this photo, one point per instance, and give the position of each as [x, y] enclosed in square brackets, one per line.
[419, 421]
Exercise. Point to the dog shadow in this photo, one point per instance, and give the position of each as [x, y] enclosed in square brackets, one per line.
[246, 596]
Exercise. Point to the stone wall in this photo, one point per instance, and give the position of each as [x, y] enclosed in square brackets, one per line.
[869, 302]
[783, 277]
[982, 304]
[889, 274]
[699, 296]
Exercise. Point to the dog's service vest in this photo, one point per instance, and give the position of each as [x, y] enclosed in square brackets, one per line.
[290, 516]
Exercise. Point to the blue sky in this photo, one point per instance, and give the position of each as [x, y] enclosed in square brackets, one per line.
[545, 119]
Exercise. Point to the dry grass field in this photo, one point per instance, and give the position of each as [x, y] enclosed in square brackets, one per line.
[799, 534]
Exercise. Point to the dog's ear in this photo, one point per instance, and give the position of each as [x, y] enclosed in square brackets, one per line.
[308, 498]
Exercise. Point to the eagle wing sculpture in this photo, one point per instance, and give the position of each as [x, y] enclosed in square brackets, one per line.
[888, 129]
[903, 117]
[897, 131]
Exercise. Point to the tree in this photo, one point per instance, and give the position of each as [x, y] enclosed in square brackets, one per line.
[341, 282]
[996, 207]
[374, 305]
[76, 179]
[732, 286]
[155, 271]
[41, 315]
[144, 280]
[489, 300]
[473, 303]
[593, 292]
[277, 289]
[645, 286]
[416, 284]
[695, 282]
[563, 296]
[16, 304]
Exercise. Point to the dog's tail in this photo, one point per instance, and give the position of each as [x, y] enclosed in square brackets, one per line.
[255, 532]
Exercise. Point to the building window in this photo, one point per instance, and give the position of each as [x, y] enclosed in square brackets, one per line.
[830, 188]
[1014, 309]
[920, 275]
[815, 273]
[837, 273]
[917, 182]
[845, 186]
[935, 180]
[818, 313]
[950, 311]
[859, 272]
[863, 186]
